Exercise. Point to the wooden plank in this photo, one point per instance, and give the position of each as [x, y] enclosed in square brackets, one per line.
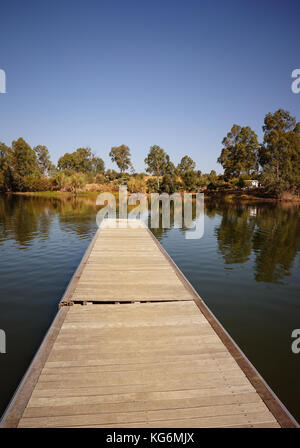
[63, 407]
[222, 414]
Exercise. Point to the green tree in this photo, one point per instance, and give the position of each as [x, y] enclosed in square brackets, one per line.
[239, 152]
[169, 184]
[186, 164]
[121, 156]
[112, 175]
[190, 180]
[83, 160]
[66, 162]
[158, 163]
[43, 157]
[5, 171]
[98, 166]
[279, 154]
[23, 163]
[170, 167]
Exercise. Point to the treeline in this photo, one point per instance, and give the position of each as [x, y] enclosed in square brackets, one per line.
[275, 163]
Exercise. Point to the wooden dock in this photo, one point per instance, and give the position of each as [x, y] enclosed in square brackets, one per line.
[133, 345]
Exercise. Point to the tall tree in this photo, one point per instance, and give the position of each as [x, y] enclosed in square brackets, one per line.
[23, 163]
[98, 166]
[83, 160]
[66, 162]
[186, 164]
[239, 152]
[279, 154]
[44, 161]
[5, 171]
[121, 156]
[158, 163]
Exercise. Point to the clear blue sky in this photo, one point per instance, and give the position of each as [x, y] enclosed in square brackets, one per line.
[173, 73]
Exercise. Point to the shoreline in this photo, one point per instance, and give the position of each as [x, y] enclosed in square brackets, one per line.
[226, 195]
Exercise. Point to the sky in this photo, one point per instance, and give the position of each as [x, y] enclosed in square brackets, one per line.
[177, 74]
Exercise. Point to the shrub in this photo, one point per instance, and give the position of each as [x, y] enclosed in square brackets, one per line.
[169, 184]
[190, 180]
[100, 179]
[32, 183]
[152, 185]
[76, 182]
[137, 185]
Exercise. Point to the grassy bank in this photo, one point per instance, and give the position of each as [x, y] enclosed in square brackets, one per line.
[228, 195]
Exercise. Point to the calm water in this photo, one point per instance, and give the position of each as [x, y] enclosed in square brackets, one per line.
[246, 268]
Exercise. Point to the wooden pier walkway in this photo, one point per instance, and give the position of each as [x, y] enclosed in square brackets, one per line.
[133, 345]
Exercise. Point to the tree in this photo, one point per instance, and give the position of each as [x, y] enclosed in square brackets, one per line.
[43, 158]
[121, 156]
[239, 154]
[98, 166]
[112, 175]
[158, 163]
[82, 161]
[186, 164]
[23, 163]
[66, 162]
[5, 171]
[190, 180]
[279, 154]
[170, 167]
[169, 184]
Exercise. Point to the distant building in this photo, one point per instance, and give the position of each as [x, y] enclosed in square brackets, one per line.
[252, 183]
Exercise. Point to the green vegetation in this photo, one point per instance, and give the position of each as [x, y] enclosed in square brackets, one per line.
[81, 161]
[239, 155]
[121, 156]
[157, 162]
[274, 164]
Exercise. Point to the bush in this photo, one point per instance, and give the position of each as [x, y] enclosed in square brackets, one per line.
[112, 174]
[152, 185]
[100, 179]
[60, 180]
[137, 185]
[190, 180]
[169, 184]
[38, 183]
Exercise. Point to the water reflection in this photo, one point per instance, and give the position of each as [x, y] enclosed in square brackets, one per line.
[269, 232]
[23, 218]
[235, 234]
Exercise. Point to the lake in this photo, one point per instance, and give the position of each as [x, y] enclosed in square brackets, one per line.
[245, 267]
